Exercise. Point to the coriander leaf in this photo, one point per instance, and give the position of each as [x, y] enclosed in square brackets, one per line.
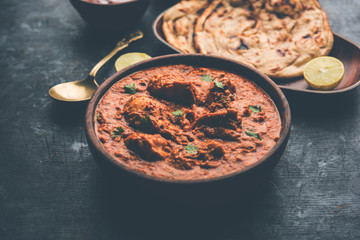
[219, 84]
[177, 113]
[207, 78]
[146, 122]
[252, 134]
[191, 149]
[99, 118]
[130, 88]
[255, 109]
[117, 132]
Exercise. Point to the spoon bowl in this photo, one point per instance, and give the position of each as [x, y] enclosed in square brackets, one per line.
[74, 91]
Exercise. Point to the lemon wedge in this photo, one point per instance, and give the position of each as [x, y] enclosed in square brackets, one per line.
[324, 73]
[128, 59]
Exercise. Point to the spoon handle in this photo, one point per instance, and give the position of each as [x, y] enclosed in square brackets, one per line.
[123, 43]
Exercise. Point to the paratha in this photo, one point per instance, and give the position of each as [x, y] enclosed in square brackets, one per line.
[278, 37]
[179, 21]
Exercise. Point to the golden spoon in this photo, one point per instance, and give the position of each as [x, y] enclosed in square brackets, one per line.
[83, 90]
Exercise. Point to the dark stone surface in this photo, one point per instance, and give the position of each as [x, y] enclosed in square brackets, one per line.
[50, 187]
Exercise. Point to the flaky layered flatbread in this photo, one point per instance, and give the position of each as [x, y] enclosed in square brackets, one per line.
[179, 21]
[278, 37]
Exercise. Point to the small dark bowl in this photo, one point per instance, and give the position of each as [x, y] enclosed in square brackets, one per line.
[121, 15]
[209, 191]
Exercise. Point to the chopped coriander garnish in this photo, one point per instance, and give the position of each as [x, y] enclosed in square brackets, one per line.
[146, 122]
[252, 134]
[177, 113]
[130, 88]
[117, 132]
[255, 109]
[207, 78]
[219, 84]
[191, 148]
[98, 116]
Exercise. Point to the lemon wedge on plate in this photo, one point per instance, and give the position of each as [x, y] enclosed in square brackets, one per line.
[324, 73]
[128, 59]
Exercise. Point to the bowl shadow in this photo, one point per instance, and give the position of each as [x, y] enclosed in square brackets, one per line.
[337, 106]
[142, 216]
[68, 113]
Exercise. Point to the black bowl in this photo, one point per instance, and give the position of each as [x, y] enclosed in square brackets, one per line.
[121, 15]
[213, 190]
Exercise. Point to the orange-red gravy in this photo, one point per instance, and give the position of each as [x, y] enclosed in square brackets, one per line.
[226, 122]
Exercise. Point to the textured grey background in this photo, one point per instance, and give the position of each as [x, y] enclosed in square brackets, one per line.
[50, 187]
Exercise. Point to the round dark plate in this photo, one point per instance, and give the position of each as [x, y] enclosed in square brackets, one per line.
[344, 50]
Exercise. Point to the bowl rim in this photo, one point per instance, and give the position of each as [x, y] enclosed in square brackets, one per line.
[104, 87]
[112, 4]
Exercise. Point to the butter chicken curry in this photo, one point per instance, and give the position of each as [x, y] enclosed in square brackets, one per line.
[185, 122]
